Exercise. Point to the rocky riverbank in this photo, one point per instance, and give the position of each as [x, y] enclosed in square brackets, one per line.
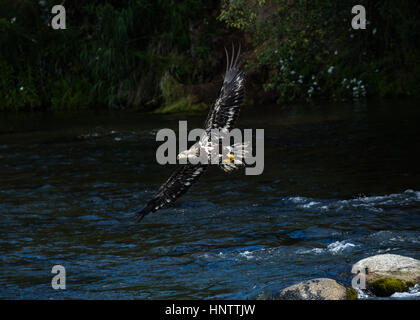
[384, 275]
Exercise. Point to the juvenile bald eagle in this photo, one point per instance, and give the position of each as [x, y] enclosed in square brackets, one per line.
[222, 116]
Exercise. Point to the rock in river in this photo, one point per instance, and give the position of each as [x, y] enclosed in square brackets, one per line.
[390, 266]
[314, 289]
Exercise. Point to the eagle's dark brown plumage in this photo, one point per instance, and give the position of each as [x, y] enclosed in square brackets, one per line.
[222, 115]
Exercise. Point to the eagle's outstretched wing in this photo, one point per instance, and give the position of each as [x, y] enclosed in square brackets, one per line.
[225, 111]
[177, 184]
[222, 116]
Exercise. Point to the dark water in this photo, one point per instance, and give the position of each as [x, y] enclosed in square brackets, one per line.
[341, 182]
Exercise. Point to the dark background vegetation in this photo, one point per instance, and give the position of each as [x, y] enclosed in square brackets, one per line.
[168, 55]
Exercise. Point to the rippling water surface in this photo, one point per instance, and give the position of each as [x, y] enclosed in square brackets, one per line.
[341, 182]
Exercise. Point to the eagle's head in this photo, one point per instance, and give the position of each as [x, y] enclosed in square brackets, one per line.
[183, 155]
[191, 154]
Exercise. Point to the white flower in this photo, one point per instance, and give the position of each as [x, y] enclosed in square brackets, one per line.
[310, 90]
[292, 72]
[21, 88]
[13, 20]
[330, 69]
[335, 52]
[374, 31]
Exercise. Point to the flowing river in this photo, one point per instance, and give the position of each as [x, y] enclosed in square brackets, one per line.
[341, 182]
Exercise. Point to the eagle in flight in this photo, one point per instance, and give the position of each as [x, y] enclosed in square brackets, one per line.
[221, 118]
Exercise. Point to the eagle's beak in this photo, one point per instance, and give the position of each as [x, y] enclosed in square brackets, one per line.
[181, 156]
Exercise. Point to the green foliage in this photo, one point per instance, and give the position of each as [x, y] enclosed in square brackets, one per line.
[71, 94]
[176, 97]
[241, 14]
[384, 287]
[17, 90]
[351, 294]
[308, 49]
[108, 57]
[171, 89]
[184, 104]
[113, 53]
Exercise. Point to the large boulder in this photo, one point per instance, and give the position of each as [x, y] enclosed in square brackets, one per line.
[389, 266]
[314, 289]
